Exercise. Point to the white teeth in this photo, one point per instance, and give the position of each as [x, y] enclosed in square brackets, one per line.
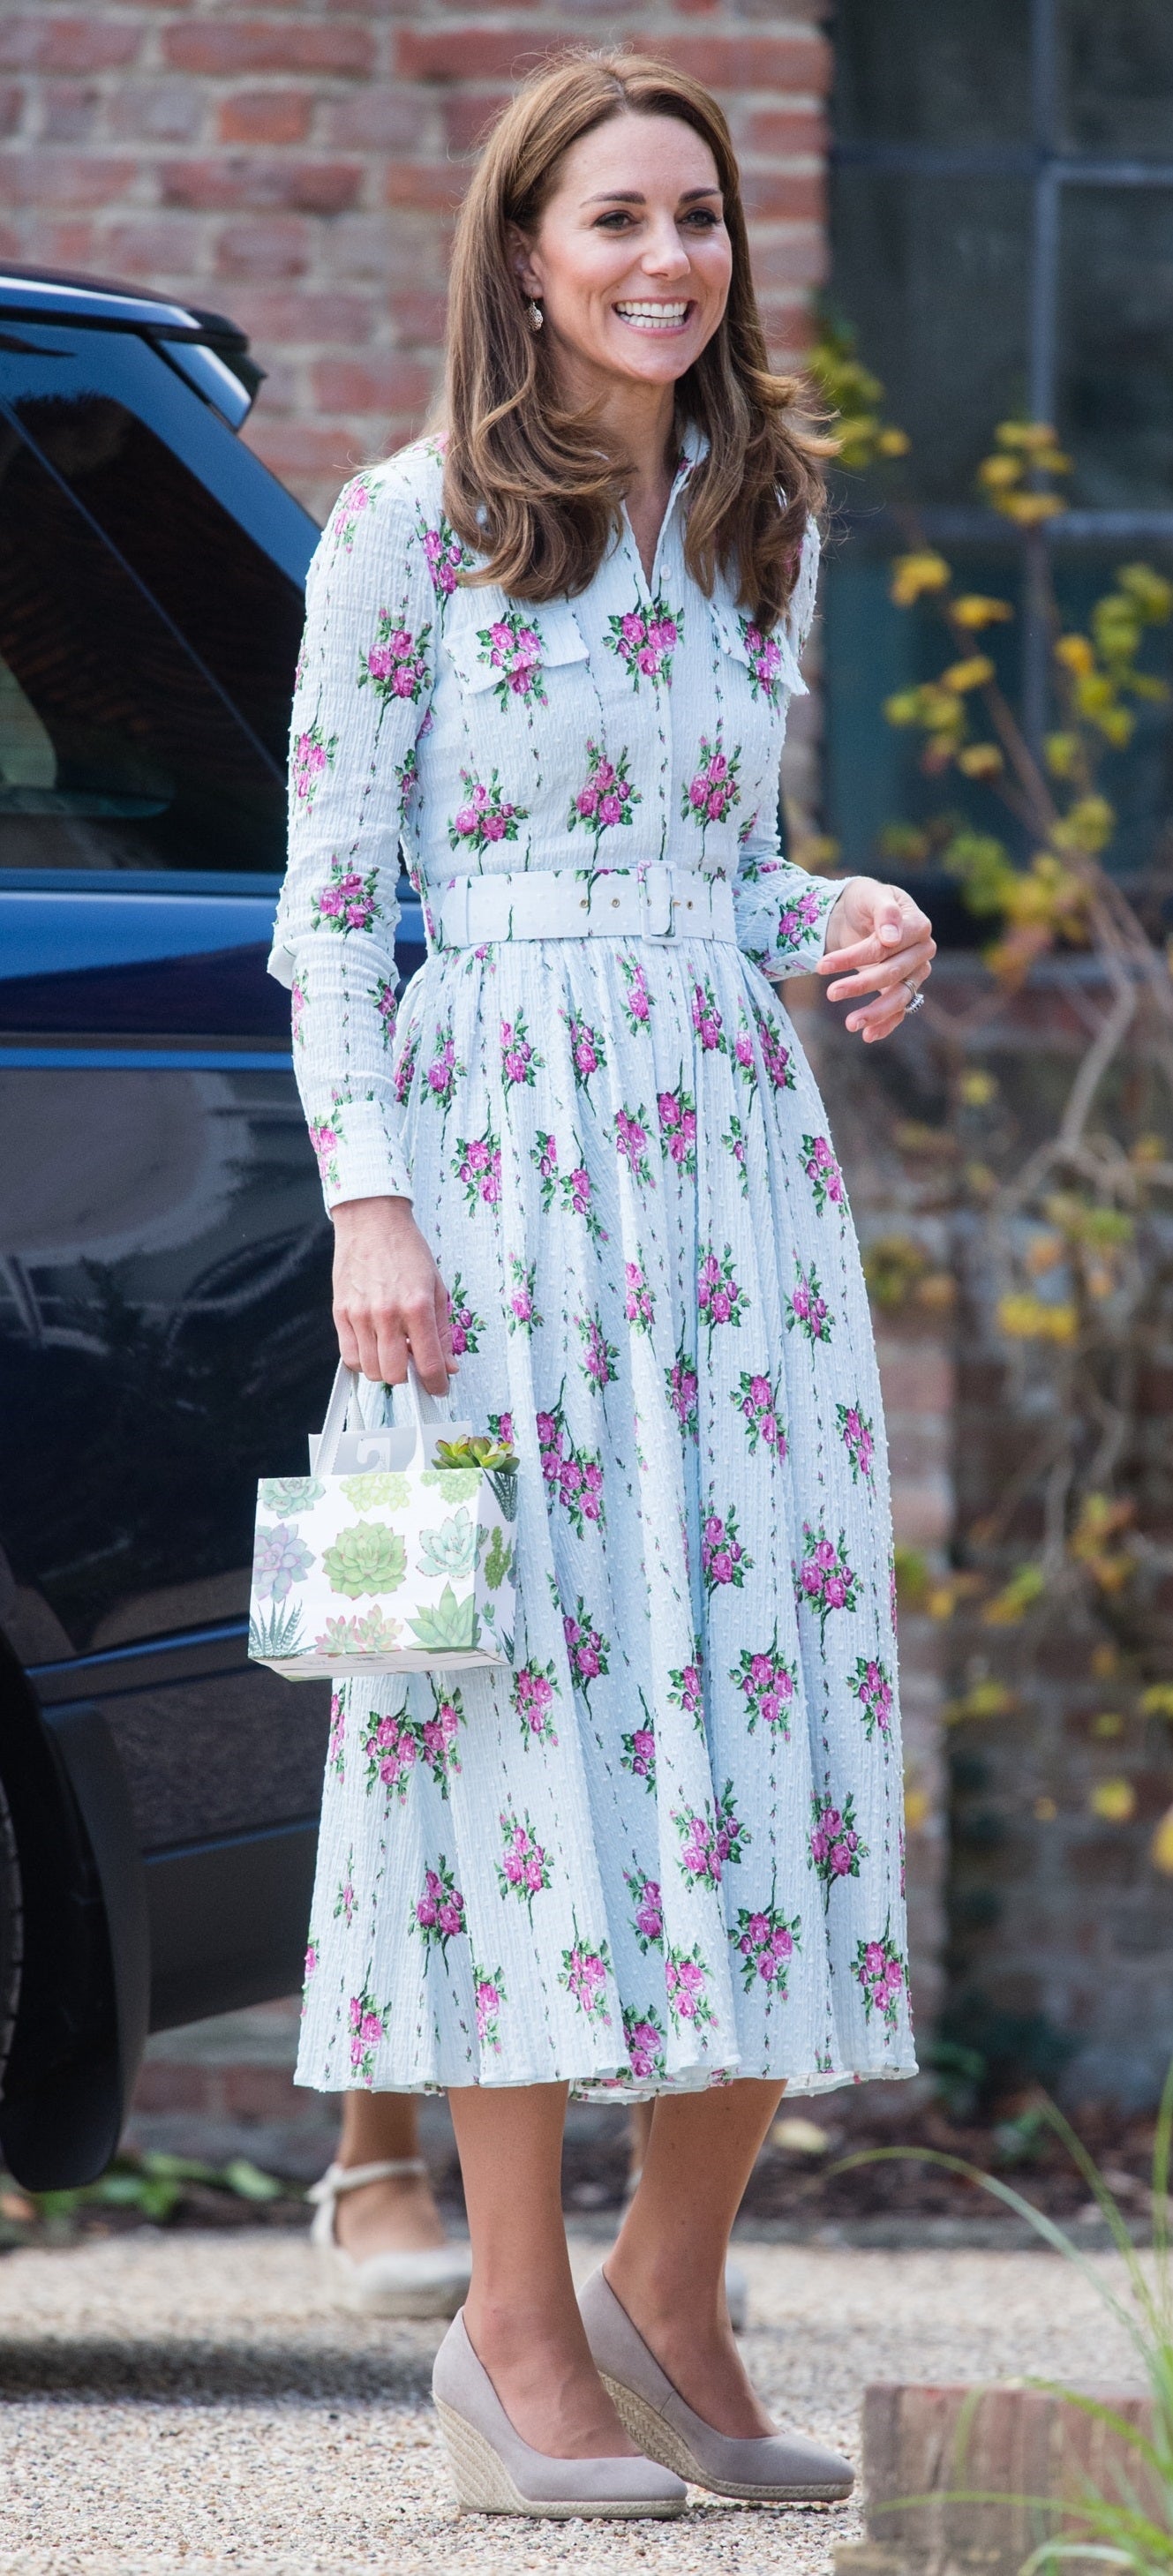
[652, 317]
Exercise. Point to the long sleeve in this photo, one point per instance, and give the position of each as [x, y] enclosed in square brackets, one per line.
[782, 913]
[364, 684]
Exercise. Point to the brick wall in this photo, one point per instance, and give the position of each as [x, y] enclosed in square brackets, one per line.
[296, 166]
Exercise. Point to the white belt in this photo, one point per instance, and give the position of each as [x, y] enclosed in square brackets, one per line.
[656, 901]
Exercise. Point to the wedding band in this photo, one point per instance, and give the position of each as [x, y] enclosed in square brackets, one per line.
[915, 996]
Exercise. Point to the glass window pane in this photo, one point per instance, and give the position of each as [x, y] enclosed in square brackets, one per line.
[933, 275]
[946, 73]
[1115, 342]
[1117, 77]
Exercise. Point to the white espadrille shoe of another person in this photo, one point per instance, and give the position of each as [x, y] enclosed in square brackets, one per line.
[496, 2472]
[765, 2468]
[398, 2281]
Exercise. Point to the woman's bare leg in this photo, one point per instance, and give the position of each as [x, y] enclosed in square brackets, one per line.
[521, 2312]
[640, 2116]
[399, 2216]
[667, 2267]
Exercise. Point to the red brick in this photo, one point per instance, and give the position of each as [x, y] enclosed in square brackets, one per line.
[436, 186]
[265, 116]
[308, 187]
[783, 133]
[382, 384]
[68, 111]
[44, 44]
[419, 319]
[66, 243]
[467, 114]
[381, 116]
[48, 178]
[258, 2092]
[302, 449]
[220, 46]
[775, 196]
[268, 246]
[166, 2084]
[469, 53]
[778, 62]
[296, 318]
[797, 259]
[155, 246]
[12, 100]
[168, 111]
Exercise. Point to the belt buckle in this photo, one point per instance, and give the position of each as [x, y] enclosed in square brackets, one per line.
[656, 904]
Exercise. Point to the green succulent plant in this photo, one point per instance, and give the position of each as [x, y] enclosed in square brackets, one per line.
[451, 1549]
[365, 1559]
[376, 1490]
[288, 1495]
[498, 1561]
[475, 1448]
[449, 1623]
[457, 1484]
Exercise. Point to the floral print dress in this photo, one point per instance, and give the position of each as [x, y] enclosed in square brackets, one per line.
[665, 1848]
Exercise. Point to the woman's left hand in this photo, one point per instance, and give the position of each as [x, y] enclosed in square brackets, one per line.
[878, 941]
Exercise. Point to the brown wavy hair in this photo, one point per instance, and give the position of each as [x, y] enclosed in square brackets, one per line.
[524, 481]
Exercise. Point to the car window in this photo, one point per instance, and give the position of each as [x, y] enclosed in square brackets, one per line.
[119, 747]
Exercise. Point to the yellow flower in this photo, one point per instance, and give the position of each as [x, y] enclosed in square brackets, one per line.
[916, 1809]
[912, 574]
[1036, 1319]
[1108, 1722]
[977, 1088]
[980, 760]
[1062, 750]
[975, 610]
[1046, 1810]
[1114, 1800]
[1161, 1847]
[892, 442]
[1028, 435]
[1075, 652]
[1029, 509]
[974, 673]
[999, 473]
[1157, 1700]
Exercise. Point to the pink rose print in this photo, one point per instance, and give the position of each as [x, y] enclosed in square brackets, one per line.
[631, 1139]
[326, 1135]
[686, 1691]
[345, 1900]
[766, 1944]
[648, 1918]
[808, 1308]
[523, 1870]
[823, 1579]
[637, 1001]
[403, 1074]
[835, 1846]
[477, 1163]
[736, 1142]
[311, 1962]
[882, 1971]
[872, 1687]
[644, 640]
[438, 1913]
[683, 1389]
[859, 1440]
[677, 1114]
[489, 1991]
[706, 1019]
[765, 660]
[485, 817]
[518, 1057]
[605, 798]
[639, 1304]
[513, 647]
[757, 1400]
[367, 2023]
[573, 1187]
[336, 1748]
[573, 1476]
[347, 902]
[533, 1692]
[391, 1750]
[768, 1684]
[823, 1173]
[639, 1748]
[710, 1841]
[382, 994]
[743, 1050]
[465, 1324]
[600, 1360]
[798, 920]
[296, 1009]
[521, 1314]
[586, 1647]
[501, 1427]
[723, 1558]
[587, 1050]
[395, 664]
[712, 791]
[685, 1979]
[775, 1056]
[445, 557]
[312, 758]
[719, 1298]
[441, 1076]
[438, 1735]
[584, 1975]
[352, 503]
[646, 2037]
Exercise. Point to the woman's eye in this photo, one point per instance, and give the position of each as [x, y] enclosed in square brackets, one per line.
[704, 217]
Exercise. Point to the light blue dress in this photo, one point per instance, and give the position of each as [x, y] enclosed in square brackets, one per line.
[666, 1849]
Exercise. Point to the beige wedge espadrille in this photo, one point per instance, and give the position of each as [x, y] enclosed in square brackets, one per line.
[496, 2472]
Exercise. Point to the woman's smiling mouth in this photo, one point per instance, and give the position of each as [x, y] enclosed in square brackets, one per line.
[653, 314]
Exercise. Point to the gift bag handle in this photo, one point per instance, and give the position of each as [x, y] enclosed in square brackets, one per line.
[424, 1408]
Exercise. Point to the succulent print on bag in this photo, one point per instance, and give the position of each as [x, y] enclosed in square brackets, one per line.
[685, 1979]
[683, 1390]
[646, 2040]
[720, 1300]
[710, 1840]
[289, 1495]
[823, 1579]
[775, 1056]
[499, 1561]
[586, 1646]
[712, 791]
[807, 1307]
[766, 1942]
[519, 1059]
[882, 1971]
[723, 1558]
[823, 1173]
[367, 2022]
[836, 1848]
[366, 1558]
[390, 1746]
[639, 1748]
[450, 1624]
[377, 1489]
[765, 660]
[588, 1053]
[601, 1356]
[644, 639]
[438, 1914]
[769, 1683]
[523, 1871]
[451, 1549]
[279, 1634]
[486, 815]
[584, 1974]
[489, 1990]
[395, 664]
[606, 796]
[280, 1559]
[573, 1476]
[677, 1114]
[757, 1400]
[533, 1692]
[512, 646]
[637, 1001]
[873, 1690]
[347, 902]
[647, 1921]
[374, 1635]
[859, 1440]
[477, 1163]
[311, 759]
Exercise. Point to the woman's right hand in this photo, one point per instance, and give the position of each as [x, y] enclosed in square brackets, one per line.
[389, 1297]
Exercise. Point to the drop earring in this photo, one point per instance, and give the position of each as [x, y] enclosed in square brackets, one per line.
[536, 315]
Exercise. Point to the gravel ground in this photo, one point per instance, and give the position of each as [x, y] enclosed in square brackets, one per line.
[193, 2404]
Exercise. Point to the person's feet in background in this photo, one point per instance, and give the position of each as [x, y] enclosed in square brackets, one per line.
[380, 2237]
[736, 2284]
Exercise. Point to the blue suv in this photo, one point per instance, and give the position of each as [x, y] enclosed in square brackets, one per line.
[165, 1329]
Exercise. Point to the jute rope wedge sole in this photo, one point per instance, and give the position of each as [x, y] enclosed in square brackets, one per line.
[494, 2471]
[769, 2468]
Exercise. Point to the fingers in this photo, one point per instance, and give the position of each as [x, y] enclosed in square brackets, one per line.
[423, 1335]
[901, 924]
[912, 962]
[444, 1327]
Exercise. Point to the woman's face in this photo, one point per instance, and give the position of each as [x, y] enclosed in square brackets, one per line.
[631, 260]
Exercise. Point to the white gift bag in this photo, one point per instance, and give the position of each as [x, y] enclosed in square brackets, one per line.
[377, 1561]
